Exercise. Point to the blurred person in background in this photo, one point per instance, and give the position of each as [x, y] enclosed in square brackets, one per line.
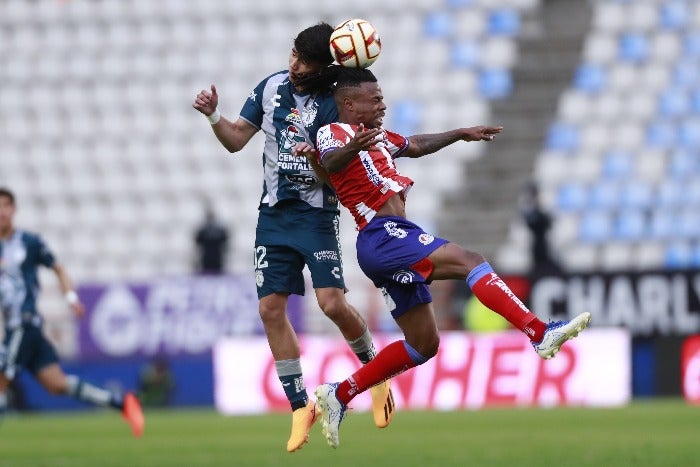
[539, 222]
[398, 255]
[298, 216]
[24, 345]
[156, 383]
[212, 242]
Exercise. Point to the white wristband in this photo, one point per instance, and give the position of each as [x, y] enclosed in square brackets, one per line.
[214, 117]
[71, 297]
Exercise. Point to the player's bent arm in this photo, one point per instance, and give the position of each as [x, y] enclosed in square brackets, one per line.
[67, 289]
[233, 135]
[335, 160]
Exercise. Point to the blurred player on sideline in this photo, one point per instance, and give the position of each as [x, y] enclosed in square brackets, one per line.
[298, 216]
[24, 345]
[395, 253]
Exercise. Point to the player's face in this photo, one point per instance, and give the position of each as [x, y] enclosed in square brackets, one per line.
[369, 105]
[299, 69]
[7, 211]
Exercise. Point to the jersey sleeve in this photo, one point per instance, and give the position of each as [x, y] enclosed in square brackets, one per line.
[330, 137]
[42, 253]
[252, 110]
[397, 143]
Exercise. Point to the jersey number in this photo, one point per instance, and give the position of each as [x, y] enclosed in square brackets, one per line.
[259, 257]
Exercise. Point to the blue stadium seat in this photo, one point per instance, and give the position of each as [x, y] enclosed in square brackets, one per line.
[689, 133]
[669, 193]
[695, 256]
[674, 103]
[631, 225]
[617, 164]
[686, 74]
[406, 116]
[695, 101]
[691, 45]
[605, 195]
[504, 22]
[465, 54]
[662, 224]
[661, 134]
[674, 15]
[571, 196]
[689, 222]
[682, 163]
[595, 227]
[590, 78]
[439, 24]
[459, 3]
[495, 83]
[633, 47]
[562, 137]
[678, 255]
[636, 194]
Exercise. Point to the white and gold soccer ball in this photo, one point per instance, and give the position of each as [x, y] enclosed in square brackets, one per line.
[355, 43]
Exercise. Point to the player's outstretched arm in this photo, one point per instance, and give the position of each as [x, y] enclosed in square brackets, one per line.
[232, 135]
[421, 145]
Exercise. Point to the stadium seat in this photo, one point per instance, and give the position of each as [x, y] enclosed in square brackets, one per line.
[590, 78]
[504, 22]
[495, 83]
[439, 24]
[633, 47]
[595, 227]
[561, 137]
[673, 15]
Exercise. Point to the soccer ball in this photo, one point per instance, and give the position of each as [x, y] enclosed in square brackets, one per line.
[355, 44]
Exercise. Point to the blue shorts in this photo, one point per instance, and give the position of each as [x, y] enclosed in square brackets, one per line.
[289, 236]
[392, 252]
[25, 347]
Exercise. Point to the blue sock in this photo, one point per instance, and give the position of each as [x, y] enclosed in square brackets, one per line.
[289, 373]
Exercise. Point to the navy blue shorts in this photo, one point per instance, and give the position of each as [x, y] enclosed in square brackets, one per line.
[25, 347]
[392, 252]
[291, 236]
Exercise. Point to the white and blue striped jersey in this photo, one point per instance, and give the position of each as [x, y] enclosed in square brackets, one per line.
[288, 117]
[20, 257]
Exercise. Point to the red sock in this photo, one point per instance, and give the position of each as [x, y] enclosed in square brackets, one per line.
[390, 361]
[495, 294]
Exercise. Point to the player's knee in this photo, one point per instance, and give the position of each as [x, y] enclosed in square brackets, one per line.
[271, 313]
[427, 346]
[334, 306]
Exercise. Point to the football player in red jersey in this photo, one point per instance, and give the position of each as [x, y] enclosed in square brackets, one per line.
[398, 255]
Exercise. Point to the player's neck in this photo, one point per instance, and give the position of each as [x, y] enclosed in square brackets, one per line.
[6, 233]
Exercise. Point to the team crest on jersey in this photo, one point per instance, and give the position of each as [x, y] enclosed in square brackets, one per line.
[259, 278]
[403, 277]
[426, 239]
[252, 96]
[305, 117]
[393, 230]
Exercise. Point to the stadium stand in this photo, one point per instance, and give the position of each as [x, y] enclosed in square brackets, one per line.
[111, 164]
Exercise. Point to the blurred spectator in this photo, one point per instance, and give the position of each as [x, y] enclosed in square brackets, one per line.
[539, 222]
[211, 240]
[156, 383]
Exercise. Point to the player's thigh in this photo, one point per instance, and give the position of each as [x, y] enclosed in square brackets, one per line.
[278, 269]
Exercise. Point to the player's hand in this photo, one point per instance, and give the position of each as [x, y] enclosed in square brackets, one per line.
[206, 102]
[78, 309]
[482, 133]
[305, 150]
[364, 138]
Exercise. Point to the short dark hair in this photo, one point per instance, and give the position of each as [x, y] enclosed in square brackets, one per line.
[354, 77]
[7, 194]
[312, 44]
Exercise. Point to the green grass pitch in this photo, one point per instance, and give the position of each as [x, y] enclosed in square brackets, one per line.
[648, 433]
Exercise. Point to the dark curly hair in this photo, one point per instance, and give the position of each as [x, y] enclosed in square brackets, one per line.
[5, 192]
[312, 44]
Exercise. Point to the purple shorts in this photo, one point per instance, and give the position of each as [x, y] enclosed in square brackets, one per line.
[392, 252]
